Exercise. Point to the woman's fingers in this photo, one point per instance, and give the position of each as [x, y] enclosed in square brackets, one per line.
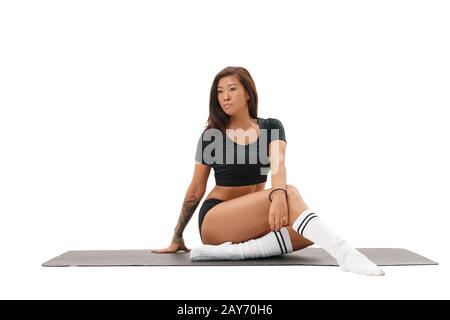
[172, 249]
[277, 224]
[166, 250]
[283, 222]
[184, 248]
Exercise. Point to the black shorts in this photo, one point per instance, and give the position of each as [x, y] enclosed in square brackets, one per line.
[206, 206]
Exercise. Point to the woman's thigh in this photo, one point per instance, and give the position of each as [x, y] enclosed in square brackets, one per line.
[238, 219]
[247, 217]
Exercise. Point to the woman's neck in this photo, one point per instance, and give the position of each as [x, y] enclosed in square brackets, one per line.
[244, 122]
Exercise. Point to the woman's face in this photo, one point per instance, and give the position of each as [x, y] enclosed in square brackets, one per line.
[231, 95]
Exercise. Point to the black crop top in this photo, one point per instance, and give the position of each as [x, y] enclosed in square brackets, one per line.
[238, 164]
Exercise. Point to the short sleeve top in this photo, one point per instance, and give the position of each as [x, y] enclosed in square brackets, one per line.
[237, 164]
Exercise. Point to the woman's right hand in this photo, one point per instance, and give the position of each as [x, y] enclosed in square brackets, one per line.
[173, 248]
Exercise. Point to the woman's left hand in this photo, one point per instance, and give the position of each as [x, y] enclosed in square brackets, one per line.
[278, 214]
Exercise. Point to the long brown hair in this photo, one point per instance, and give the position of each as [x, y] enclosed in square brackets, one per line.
[217, 118]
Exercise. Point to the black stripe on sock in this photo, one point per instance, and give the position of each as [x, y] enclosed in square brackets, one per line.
[284, 243]
[307, 224]
[279, 243]
[298, 229]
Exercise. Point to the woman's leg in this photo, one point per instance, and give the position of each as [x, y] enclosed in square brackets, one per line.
[247, 217]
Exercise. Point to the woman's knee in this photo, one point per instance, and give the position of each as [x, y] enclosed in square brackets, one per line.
[292, 191]
[296, 204]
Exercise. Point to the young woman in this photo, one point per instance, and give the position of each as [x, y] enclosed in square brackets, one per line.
[239, 218]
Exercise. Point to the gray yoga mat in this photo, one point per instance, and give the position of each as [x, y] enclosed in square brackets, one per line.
[306, 257]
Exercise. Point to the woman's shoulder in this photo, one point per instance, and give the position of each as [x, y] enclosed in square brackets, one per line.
[271, 123]
[275, 129]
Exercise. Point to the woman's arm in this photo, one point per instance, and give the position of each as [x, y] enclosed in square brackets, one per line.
[277, 152]
[190, 203]
[194, 195]
[278, 215]
[192, 198]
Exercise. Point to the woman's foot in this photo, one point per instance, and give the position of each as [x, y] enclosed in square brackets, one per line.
[209, 252]
[356, 262]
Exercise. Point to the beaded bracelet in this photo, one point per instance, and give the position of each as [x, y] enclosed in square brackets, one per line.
[276, 189]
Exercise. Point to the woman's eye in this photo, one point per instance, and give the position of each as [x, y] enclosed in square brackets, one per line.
[231, 89]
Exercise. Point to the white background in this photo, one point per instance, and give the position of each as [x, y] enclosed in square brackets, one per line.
[102, 102]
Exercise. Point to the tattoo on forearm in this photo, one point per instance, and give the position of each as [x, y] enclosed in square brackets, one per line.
[188, 209]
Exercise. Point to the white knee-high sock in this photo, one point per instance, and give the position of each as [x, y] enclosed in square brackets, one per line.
[311, 227]
[272, 244]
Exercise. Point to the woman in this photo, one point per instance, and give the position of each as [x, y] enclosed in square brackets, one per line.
[240, 219]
